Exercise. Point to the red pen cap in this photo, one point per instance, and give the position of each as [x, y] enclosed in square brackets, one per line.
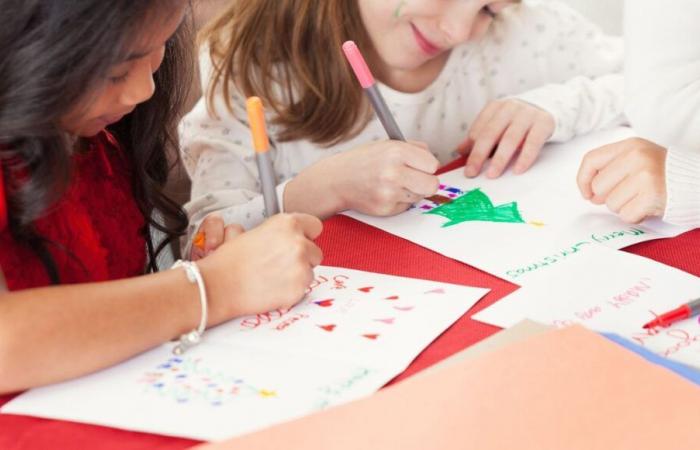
[670, 317]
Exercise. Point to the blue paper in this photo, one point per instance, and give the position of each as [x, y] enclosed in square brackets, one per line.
[684, 371]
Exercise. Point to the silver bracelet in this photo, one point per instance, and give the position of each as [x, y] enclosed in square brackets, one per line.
[193, 337]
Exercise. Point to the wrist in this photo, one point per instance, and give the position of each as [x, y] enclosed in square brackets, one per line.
[216, 314]
[193, 336]
[313, 193]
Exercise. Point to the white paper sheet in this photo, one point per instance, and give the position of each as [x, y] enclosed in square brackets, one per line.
[352, 333]
[611, 291]
[545, 219]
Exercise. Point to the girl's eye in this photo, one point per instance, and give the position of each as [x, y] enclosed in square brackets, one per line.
[488, 11]
[119, 78]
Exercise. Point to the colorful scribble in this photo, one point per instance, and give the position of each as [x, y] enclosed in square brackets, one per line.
[475, 206]
[187, 380]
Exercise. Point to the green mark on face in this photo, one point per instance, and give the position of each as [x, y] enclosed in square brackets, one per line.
[399, 7]
[475, 206]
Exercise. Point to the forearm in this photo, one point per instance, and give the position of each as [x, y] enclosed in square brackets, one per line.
[56, 333]
[314, 192]
[581, 105]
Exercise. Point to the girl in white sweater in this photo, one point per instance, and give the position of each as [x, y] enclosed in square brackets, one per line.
[487, 77]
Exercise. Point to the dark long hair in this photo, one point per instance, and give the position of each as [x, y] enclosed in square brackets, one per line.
[53, 54]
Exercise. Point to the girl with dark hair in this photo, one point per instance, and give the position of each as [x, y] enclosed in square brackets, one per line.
[89, 97]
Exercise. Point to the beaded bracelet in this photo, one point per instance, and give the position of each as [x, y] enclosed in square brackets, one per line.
[192, 338]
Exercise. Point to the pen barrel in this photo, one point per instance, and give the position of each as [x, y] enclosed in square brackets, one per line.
[268, 182]
[384, 114]
[695, 307]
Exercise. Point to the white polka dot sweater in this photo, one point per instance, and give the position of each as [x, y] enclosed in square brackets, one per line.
[541, 52]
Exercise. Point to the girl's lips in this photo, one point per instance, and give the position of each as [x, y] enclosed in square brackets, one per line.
[425, 45]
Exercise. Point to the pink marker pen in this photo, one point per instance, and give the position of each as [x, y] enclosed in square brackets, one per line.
[364, 76]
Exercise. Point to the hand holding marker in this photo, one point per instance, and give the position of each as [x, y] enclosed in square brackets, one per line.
[261, 143]
[256, 117]
[414, 181]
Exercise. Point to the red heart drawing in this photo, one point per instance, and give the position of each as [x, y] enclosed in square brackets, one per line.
[435, 291]
[371, 336]
[328, 328]
[389, 321]
[403, 308]
[393, 297]
[325, 303]
[366, 289]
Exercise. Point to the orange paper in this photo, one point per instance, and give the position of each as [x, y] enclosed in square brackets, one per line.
[564, 389]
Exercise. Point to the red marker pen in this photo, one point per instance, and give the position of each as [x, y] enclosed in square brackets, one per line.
[678, 314]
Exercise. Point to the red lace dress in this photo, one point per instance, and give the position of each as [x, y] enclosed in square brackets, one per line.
[96, 229]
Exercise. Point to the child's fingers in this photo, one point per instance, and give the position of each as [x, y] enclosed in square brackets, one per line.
[592, 163]
[213, 229]
[535, 140]
[483, 119]
[196, 254]
[309, 225]
[419, 159]
[635, 210]
[483, 147]
[466, 146]
[232, 231]
[397, 208]
[487, 136]
[511, 140]
[420, 144]
[410, 197]
[419, 183]
[610, 176]
[313, 253]
[621, 195]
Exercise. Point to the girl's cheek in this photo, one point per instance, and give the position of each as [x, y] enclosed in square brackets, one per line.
[157, 59]
[480, 28]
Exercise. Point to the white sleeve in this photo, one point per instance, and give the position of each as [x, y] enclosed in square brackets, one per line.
[682, 187]
[662, 70]
[218, 155]
[584, 68]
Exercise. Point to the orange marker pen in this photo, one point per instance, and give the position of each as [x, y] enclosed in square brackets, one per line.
[199, 240]
[261, 143]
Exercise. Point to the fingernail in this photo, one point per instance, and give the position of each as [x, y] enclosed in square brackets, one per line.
[470, 171]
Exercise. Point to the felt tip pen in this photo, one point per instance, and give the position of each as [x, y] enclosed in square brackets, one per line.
[199, 240]
[261, 143]
[366, 79]
[681, 313]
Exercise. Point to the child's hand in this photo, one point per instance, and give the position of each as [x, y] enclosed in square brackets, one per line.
[212, 233]
[503, 128]
[380, 179]
[628, 176]
[264, 269]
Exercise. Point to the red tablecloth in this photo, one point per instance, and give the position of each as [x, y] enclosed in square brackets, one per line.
[346, 243]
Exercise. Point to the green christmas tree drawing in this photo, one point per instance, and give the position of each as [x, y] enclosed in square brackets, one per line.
[475, 206]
